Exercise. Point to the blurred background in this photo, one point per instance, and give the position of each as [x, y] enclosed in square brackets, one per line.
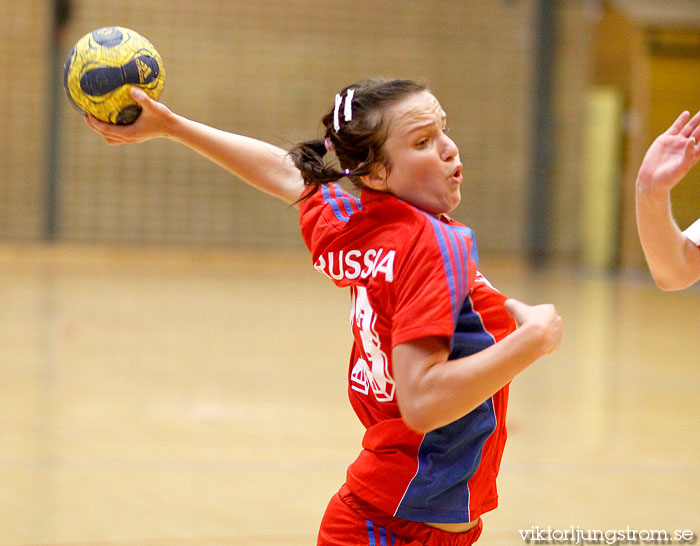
[171, 368]
[551, 103]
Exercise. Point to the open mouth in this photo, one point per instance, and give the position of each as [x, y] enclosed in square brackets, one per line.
[457, 173]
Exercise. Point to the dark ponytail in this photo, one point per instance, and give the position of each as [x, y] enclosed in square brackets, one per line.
[309, 158]
[356, 133]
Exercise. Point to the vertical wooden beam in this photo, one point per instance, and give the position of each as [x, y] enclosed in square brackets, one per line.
[542, 153]
[61, 14]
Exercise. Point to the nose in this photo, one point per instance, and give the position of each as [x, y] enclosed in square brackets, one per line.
[449, 149]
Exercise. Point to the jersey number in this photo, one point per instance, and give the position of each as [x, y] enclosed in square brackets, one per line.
[375, 374]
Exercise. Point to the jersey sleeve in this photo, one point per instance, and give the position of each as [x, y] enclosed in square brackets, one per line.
[324, 214]
[693, 232]
[433, 280]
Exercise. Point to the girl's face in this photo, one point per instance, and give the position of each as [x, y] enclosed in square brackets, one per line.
[424, 167]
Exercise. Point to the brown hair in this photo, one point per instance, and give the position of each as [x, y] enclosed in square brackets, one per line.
[358, 143]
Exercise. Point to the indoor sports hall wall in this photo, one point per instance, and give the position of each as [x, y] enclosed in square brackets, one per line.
[23, 77]
[270, 69]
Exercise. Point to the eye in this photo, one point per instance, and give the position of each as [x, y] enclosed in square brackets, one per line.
[422, 142]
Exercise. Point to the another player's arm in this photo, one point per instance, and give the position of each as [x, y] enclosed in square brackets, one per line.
[260, 164]
[432, 391]
[674, 261]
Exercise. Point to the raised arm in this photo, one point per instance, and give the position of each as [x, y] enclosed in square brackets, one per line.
[674, 261]
[260, 164]
[433, 392]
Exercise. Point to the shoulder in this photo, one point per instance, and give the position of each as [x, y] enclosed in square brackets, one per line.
[434, 250]
[326, 211]
[331, 197]
[394, 215]
[394, 224]
[416, 233]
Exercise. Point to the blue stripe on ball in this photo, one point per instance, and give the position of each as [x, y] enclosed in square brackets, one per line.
[105, 79]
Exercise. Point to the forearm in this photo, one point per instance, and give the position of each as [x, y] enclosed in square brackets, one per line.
[445, 391]
[673, 260]
[259, 164]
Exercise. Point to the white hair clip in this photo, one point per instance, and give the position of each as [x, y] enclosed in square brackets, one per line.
[348, 104]
[336, 119]
[347, 111]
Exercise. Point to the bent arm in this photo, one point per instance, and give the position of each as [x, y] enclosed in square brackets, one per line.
[259, 164]
[433, 392]
[674, 260]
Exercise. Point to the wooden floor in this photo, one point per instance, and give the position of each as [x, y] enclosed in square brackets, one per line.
[153, 397]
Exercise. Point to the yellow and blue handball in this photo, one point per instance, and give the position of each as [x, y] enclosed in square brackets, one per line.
[104, 65]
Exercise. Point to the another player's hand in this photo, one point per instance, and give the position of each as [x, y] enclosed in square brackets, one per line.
[543, 321]
[671, 155]
[153, 122]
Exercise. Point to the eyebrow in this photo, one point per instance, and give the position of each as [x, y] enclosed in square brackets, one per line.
[422, 125]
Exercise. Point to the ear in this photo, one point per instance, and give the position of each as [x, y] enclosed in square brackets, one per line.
[376, 179]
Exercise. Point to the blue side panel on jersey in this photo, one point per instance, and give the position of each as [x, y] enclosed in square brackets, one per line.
[447, 459]
[450, 456]
[340, 202]
[470, 335]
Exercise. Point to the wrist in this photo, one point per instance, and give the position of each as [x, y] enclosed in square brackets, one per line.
[643, 185]
[174, 126]
[646, 189]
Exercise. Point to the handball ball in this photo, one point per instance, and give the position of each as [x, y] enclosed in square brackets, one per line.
[102, 67]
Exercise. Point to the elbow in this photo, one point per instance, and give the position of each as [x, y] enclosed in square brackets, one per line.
[419, 417]
[678, 271]
[415, 416]
[418, 424]
[670, 284]
[668, 287]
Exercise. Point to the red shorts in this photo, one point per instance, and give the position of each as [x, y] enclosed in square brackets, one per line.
[349, 521]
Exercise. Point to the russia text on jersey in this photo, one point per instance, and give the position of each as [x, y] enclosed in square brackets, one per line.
[354, 264]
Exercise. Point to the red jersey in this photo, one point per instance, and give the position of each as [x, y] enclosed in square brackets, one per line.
[411, 276]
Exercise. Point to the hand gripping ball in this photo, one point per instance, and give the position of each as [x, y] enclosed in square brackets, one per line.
[101, 68]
